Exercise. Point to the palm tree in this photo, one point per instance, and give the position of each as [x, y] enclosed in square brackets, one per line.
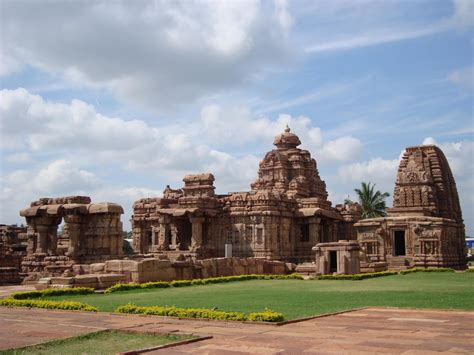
[372, 202]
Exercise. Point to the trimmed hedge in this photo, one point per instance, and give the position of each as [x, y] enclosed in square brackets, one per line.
[67, 305]
[355, 277]
[410, 271]
[266, 316]
[52, 292]
[208, 281]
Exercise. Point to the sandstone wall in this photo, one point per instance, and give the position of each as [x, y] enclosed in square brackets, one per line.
[98, 275]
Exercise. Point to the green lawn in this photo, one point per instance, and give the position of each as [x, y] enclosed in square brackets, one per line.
[297, 298]
[108, 342]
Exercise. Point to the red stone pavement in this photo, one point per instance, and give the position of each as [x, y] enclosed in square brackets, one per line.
[372, 330]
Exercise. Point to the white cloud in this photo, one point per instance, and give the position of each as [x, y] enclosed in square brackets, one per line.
[157, 54]
[369, 23]
[463, 77]
[346, 148]
[57, 178]
[80, 143]
[372, 38]
[381, 172]
[463, 13]
[19, 158]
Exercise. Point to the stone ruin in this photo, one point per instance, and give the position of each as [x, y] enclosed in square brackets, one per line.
[92, 232]
[286, 216]
[425, 226]
[282, 217]
[13, 243]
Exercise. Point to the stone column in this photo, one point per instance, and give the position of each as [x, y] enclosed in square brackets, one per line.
[315, 230]
[43, 239]
[164, 230]
[196, 238]
[74, 227]
[46, 231]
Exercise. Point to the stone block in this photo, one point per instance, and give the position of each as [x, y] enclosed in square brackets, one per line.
[238, 267]
[252, 266]
[97, 268]
[62, 280]
[119, 266]
[81, 269]
[209, 268]
[85, 279]
[107, 280]
[224, 266]
[259, 263]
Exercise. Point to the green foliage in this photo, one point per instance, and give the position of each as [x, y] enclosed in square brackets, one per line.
[101, 342]
[208, 281]
[355, 277]
[469, 270]
[441, 269]
[266, 316]
[67, 305]
[296, 299]
[371, 201]
[52, 292]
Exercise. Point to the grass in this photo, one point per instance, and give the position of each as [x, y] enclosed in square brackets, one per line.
[104, 342]
[296, 298]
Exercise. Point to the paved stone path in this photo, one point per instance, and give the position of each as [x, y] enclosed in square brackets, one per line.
[6, 291]
[375, 330]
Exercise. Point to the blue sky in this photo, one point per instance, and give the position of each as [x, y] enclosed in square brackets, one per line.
[116, 100]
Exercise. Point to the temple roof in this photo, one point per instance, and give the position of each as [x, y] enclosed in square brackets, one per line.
[287, 139]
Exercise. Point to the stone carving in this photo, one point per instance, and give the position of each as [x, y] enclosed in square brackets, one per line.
[425, 226]
[282, 217]
[13, 245]
[92, 231]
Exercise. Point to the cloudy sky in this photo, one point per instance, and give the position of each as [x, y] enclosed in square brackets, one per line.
[117, 99]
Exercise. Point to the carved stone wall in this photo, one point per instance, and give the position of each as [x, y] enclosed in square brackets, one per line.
[92, 231]
[13, 243]
[341, 258]
[284, 215]
[425, 227]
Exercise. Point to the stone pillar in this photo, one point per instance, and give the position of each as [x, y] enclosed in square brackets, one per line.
[32, 240]
[74, 227]
[315, 230]
[45, 230]
[164, 230]
[196, 238]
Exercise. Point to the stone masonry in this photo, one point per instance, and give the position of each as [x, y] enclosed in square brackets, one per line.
[284, 215]
[93, 232]
[425, 226]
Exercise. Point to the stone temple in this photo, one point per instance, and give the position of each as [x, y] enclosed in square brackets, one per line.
[283, 220]
[282, 217]
[425, 226]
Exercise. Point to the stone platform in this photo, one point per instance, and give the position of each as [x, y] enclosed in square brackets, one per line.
[371, 330]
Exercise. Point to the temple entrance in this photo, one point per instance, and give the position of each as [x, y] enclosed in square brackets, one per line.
[399, 248]
[185, 231]
[333, 261]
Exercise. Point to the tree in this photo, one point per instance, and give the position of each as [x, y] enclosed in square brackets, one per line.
[371, 201]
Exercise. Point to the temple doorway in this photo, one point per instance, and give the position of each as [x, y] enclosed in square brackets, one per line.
[184, 234]
[399, 243]
[333, 261]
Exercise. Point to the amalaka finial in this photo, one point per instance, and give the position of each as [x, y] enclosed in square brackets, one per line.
[287, 129]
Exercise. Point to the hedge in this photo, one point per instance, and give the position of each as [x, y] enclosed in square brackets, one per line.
[355, 277]
[52, 292]
[67, 305]
[266, 316]
[208, 281]
[410, 271]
